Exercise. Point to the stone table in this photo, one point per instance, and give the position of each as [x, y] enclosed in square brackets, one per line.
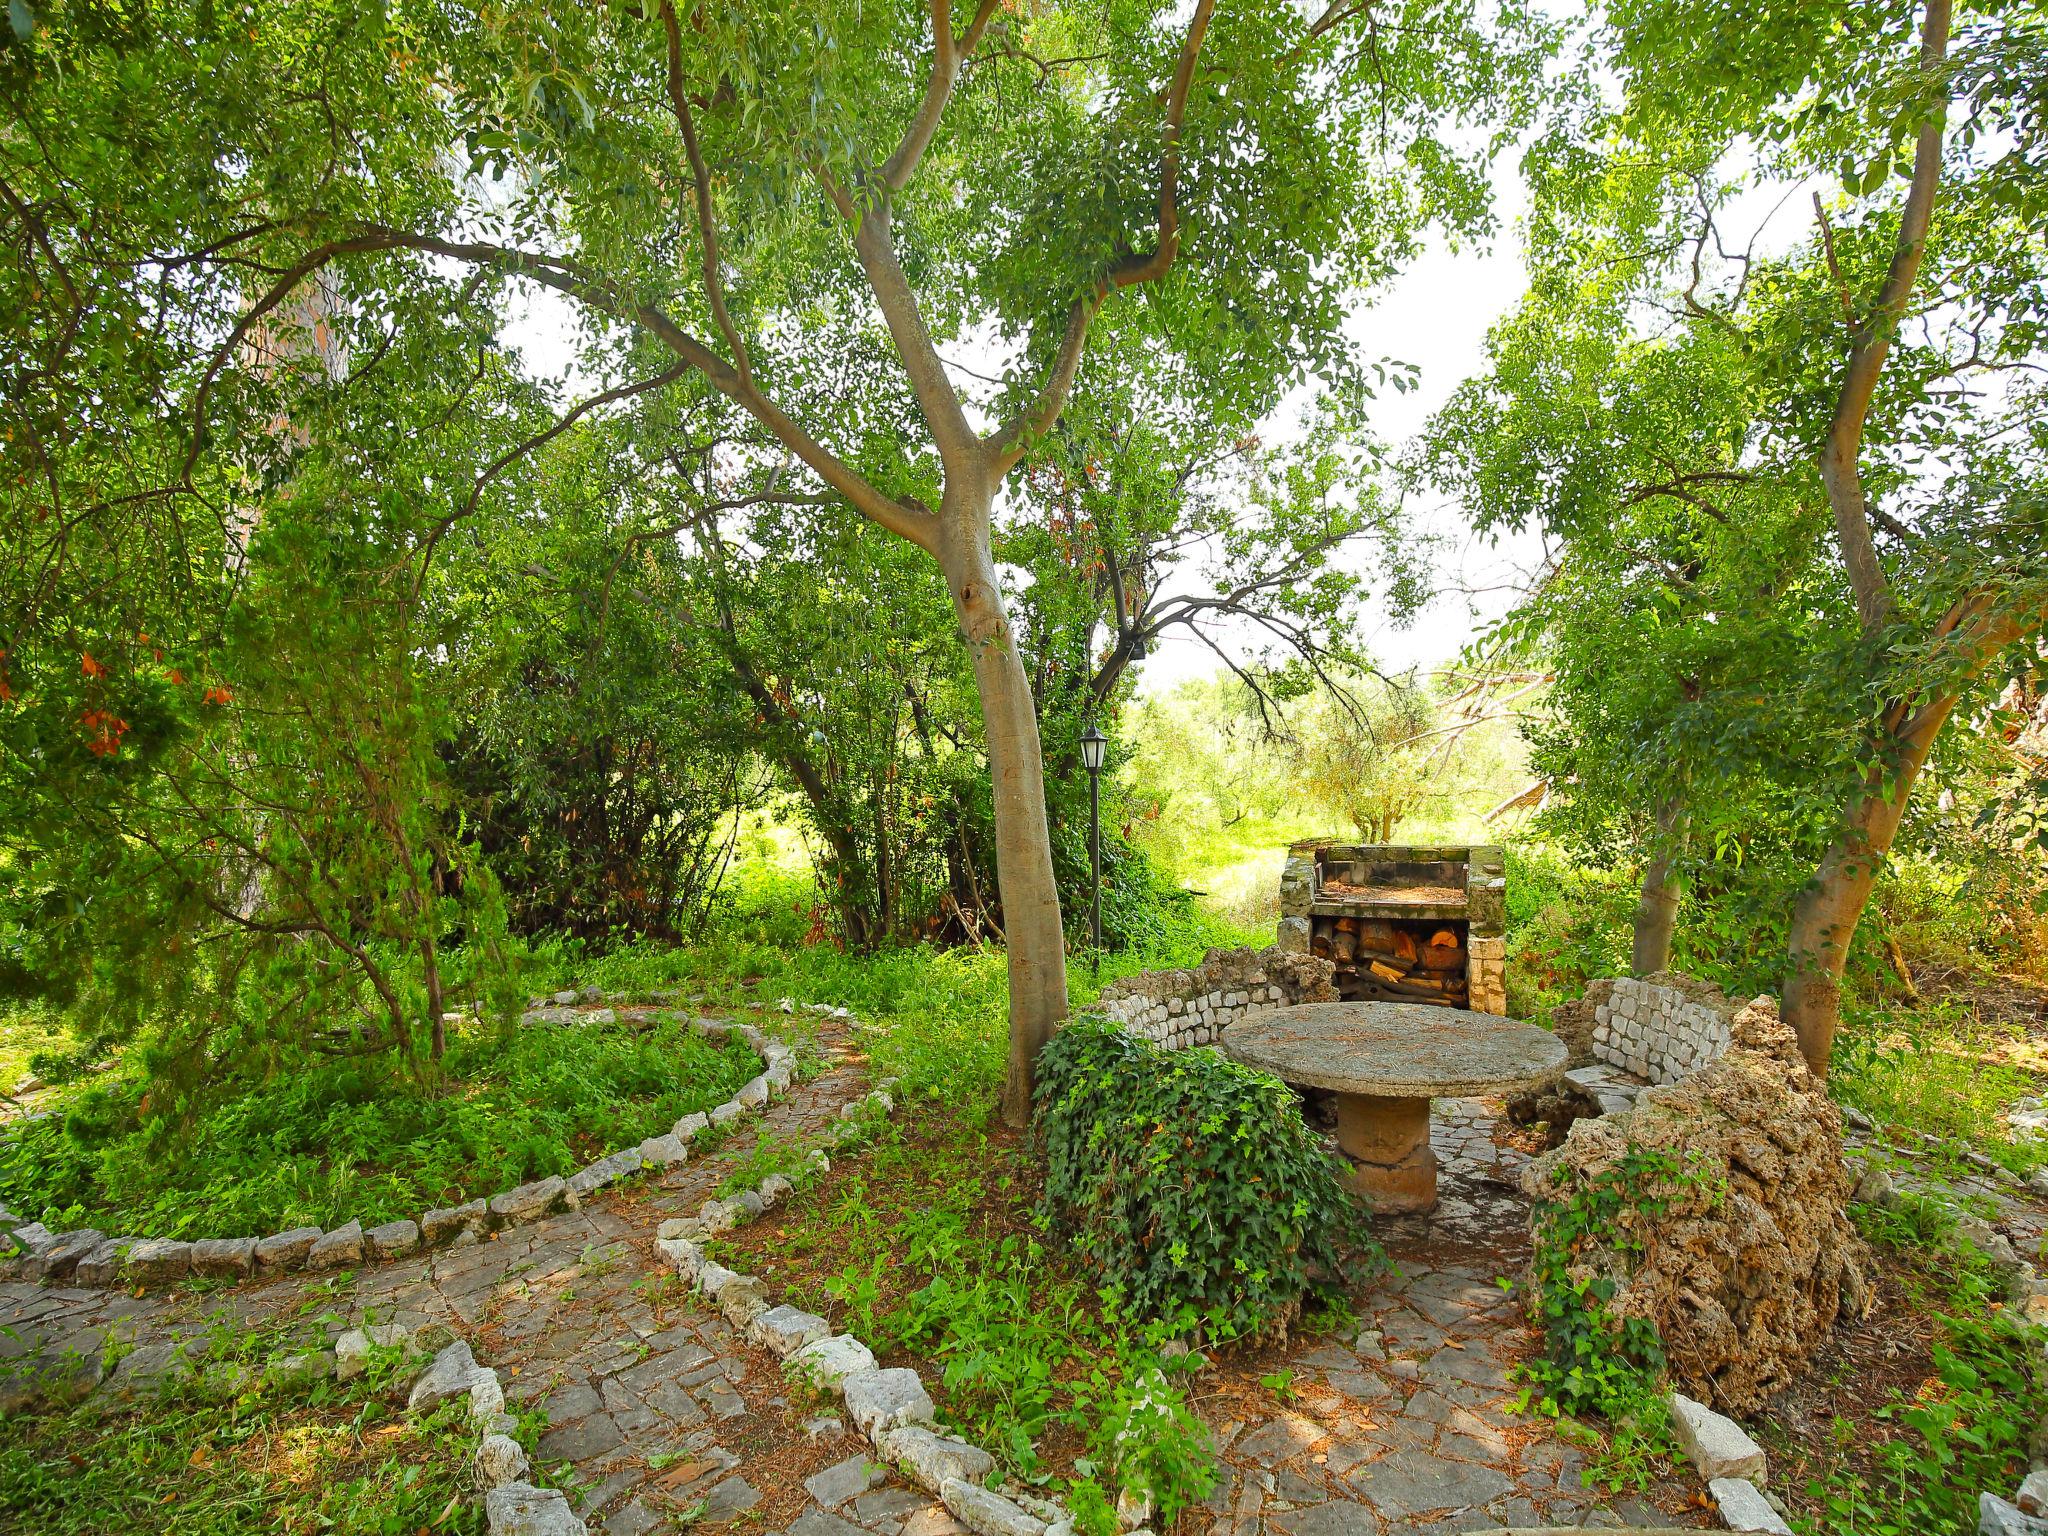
[1385, 1062]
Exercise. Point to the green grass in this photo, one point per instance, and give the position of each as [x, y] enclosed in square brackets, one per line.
[26, 1033]
[1935, 1070]
[1964, 1431]
[332, 1139]
[212, 1460]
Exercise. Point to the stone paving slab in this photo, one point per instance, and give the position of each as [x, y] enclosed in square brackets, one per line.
[660, 1419]
[1403, 1425]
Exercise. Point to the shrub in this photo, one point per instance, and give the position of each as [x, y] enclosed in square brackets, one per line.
[1189, 1186]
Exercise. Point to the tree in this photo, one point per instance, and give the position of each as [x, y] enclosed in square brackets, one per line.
[767, 204]
[1887, 367]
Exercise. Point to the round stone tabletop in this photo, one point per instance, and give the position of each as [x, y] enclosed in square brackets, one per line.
[1395, 1050]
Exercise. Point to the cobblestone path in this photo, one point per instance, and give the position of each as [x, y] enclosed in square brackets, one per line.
[1402, 1426]
[658, 1418]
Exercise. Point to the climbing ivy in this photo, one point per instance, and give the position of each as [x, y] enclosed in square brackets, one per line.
[1594, 1362]
[1188, 1185]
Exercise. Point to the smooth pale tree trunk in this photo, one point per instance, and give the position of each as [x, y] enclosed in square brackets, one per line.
[1657, 906]
[1825, 916]
[1024, 873]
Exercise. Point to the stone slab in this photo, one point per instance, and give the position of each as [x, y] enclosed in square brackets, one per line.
[1715, 1444]
[1744, 1509]
[1396, 1050]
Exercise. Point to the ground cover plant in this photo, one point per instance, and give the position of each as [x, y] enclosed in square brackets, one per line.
[241, 1454]
[336, 1139]
[925, 1243]
[1961, 1417]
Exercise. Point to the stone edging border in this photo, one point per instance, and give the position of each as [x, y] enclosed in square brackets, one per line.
[891, 1408]
[513, 1506]
[88, 1257]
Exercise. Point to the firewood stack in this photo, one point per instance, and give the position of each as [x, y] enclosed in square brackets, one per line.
[1391, 958]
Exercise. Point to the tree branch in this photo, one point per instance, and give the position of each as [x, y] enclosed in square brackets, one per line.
[1009, 444]
[707, 228]
[947, 57]
[906, 520]
[1871, 343]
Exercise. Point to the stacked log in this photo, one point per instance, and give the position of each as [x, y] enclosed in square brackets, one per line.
[1388, 958]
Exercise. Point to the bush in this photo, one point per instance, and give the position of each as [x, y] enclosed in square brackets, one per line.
[1189, 1186]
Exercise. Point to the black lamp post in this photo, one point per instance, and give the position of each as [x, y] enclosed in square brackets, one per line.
[1094, 746]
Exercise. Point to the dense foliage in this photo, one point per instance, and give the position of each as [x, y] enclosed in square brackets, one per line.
[1794, 465]
[357, 1139]
[1189, 1187]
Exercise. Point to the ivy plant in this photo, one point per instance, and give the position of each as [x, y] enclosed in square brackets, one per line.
[1189, 1186]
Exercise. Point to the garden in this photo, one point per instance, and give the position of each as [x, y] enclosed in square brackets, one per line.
[1044, 770]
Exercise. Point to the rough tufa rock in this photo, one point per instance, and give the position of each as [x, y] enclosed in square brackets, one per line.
[886, 1399]
[500, 1460]
[231, 1257]
[526, 1202]
[1743, 1508]
[452, 1374]
[784, 1330]
[986, 1513]
[827, 1363]
[393, 1239]
[930, 1459]
[157, 1258]
[1717, 1446]
[56, 1260]
[287, 1250]
[1995, 1517]
[742, 1300]
[1752, 1258]
[103, 1265]
[449, 1222]
[660, 1151]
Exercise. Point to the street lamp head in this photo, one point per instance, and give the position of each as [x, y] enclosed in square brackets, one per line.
[1093, 745]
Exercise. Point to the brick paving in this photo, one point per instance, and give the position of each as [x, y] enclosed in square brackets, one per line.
[657, 1417]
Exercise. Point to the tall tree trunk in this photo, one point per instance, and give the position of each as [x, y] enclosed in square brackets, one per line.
[1024, 872]
[1657, 907]
[1825, 916]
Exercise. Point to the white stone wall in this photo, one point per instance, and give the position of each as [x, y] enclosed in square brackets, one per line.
[1179, 1022]
[1657, 1032]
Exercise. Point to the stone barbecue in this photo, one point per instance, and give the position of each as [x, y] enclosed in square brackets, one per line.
[1400, 924]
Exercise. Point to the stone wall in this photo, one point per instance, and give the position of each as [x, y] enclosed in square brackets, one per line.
[1662, 1027]
[1181, 1008]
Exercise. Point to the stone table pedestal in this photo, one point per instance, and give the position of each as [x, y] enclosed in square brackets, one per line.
[1385, 1062]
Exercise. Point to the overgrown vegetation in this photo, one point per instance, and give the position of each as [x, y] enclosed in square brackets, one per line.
[1189, 1188]
[232, 1452]
[1594, 1363]
[1969, 1427]
[359, 1137]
